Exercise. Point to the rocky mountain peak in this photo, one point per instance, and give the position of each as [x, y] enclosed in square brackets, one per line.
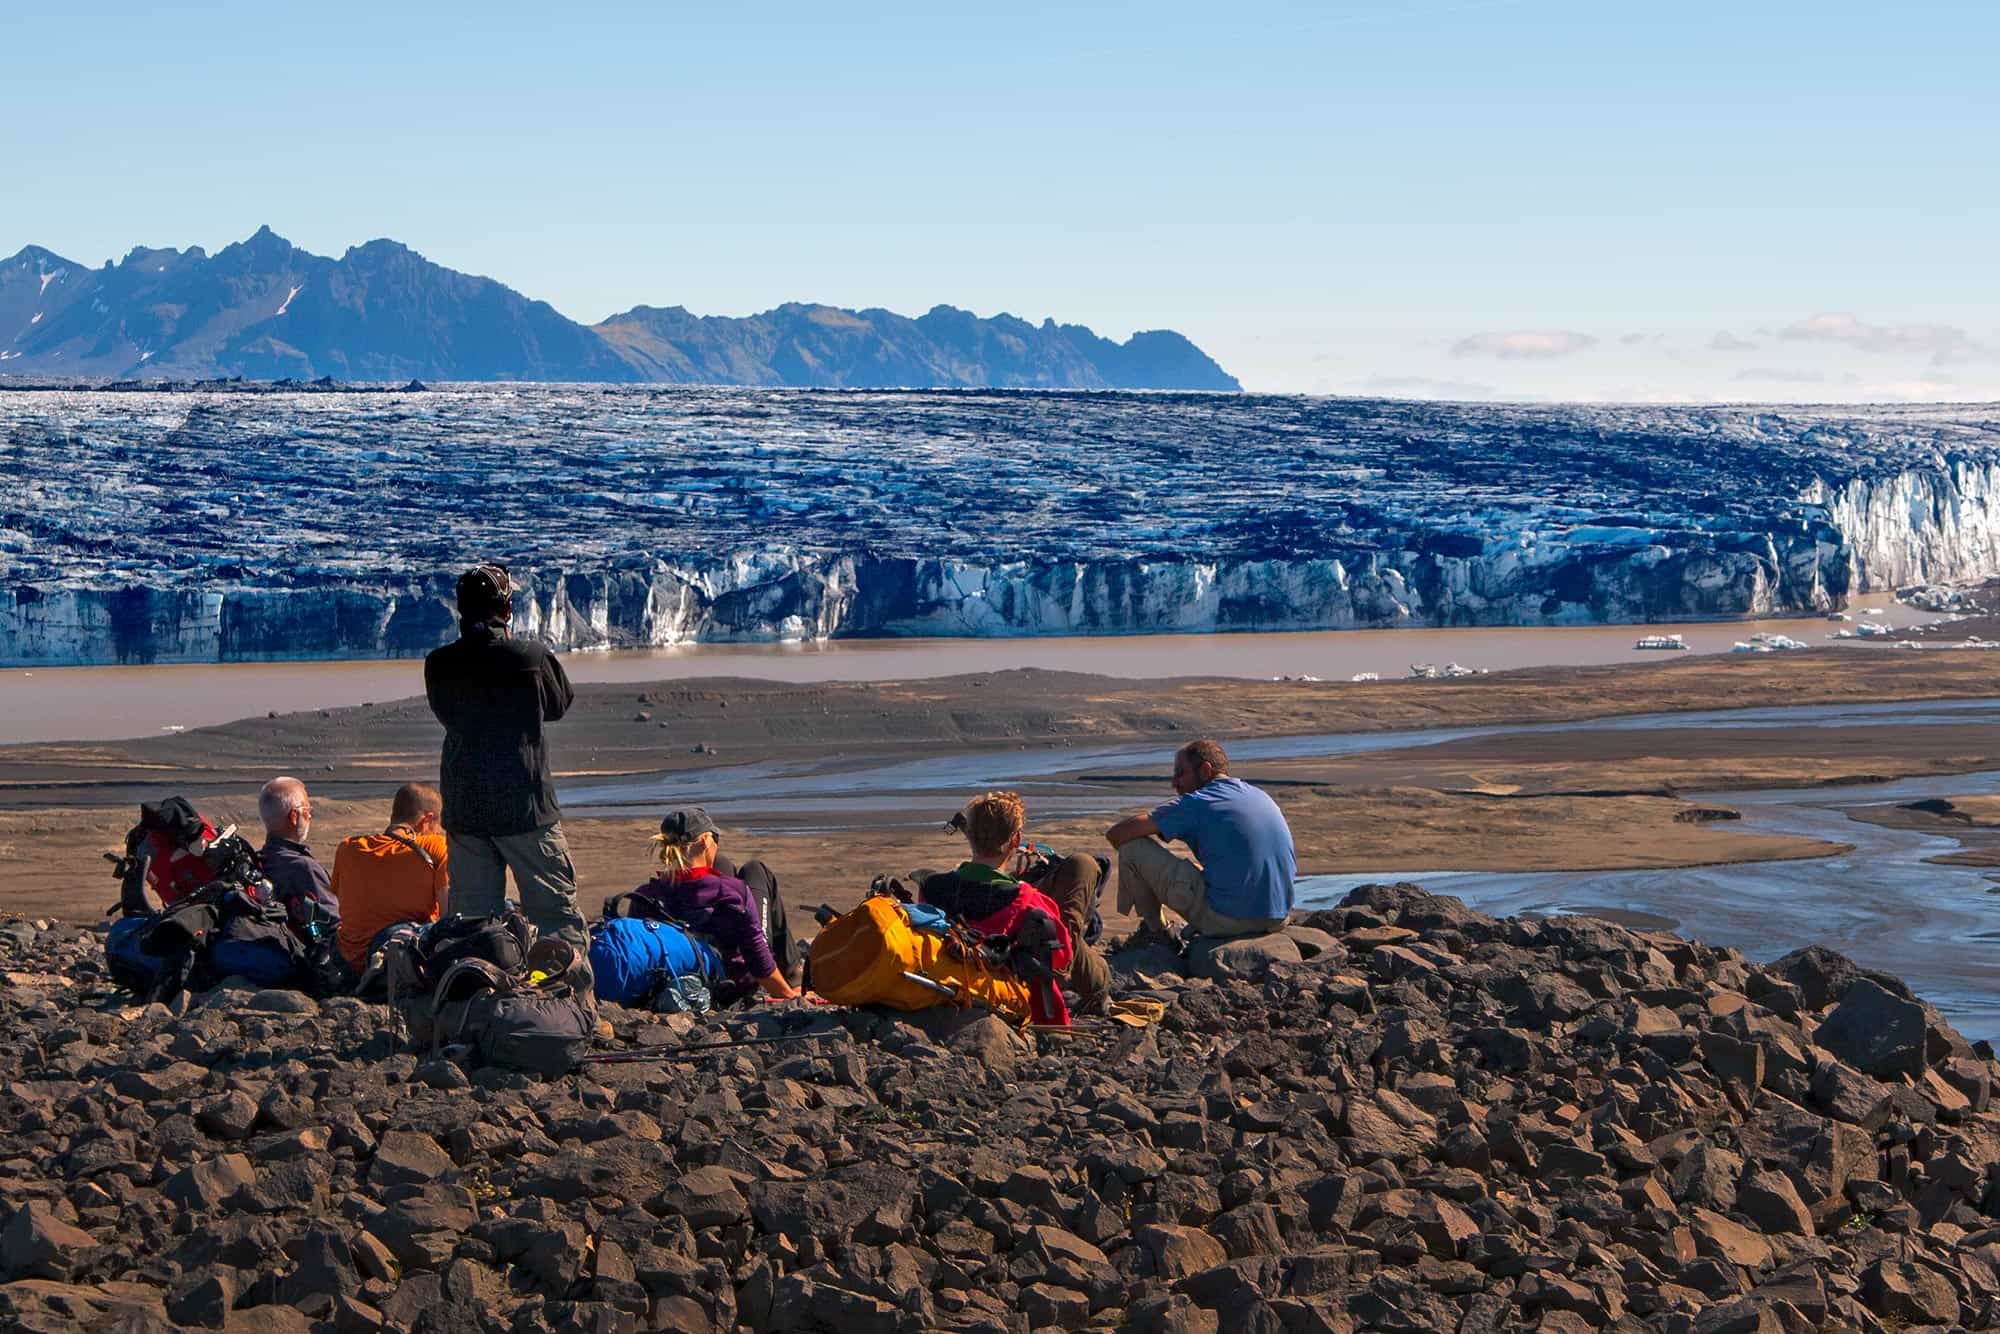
[402, 316]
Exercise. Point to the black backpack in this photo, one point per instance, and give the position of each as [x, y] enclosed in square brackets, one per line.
[414, 964]
[177, 941]
[435, 979]
[502, 941]
[533, 1019]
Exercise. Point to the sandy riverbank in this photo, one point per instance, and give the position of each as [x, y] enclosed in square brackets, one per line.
[1974, 821]
[1587, 798]
[55, 868]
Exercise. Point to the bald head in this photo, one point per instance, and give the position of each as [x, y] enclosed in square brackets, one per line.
[285, 809]
[417, 805]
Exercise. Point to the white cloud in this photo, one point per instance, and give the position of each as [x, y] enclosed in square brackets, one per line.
[1522, 346]
[1943, 343]
[1725, 341]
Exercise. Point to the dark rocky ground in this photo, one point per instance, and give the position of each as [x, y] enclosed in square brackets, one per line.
[1433, 1120]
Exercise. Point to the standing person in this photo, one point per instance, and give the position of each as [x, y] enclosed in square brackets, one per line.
[493, 693]
[399, 875]
[723, 909]
[1241, 884]
[300, 882]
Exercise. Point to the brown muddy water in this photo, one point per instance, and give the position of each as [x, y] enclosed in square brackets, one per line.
[106, 703]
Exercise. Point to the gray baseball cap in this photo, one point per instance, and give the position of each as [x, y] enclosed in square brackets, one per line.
[687, 823]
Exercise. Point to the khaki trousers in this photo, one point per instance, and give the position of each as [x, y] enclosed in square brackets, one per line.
[1073, 886]
[542, 871]
[1152, 877]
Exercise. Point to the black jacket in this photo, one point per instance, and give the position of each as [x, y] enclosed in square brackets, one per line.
[493, 694]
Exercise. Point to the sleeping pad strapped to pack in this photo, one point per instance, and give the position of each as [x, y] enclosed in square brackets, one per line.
[633, 957]
[861, 959]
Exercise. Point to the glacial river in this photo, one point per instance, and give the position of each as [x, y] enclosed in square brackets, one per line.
[1883, 903]
[104, 703]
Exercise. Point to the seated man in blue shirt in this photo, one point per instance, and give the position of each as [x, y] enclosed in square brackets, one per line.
[1242, 883]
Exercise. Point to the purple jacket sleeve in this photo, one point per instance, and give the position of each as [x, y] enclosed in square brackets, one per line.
[736, 913]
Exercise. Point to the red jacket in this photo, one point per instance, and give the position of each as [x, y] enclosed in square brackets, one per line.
[176, 872]
[1002, 923]
[1045, 1001]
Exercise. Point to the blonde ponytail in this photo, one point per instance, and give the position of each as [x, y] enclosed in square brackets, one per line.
[678, 856]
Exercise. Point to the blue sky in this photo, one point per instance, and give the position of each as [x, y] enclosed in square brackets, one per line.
[1518, 198]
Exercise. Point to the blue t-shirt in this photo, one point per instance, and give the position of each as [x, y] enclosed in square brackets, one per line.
[1243, 843]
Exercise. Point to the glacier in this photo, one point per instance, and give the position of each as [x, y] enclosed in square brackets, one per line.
[192, 527]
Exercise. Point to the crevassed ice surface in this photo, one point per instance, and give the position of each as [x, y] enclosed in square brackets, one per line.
[200, 526]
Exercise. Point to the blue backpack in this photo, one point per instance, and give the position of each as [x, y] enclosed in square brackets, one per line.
[256, 942]
[125, 954]
[633, 957]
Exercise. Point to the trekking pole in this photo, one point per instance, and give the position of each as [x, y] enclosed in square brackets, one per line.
[664, 1052]
[949, 993]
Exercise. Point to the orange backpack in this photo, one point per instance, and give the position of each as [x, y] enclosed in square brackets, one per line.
[866, 957]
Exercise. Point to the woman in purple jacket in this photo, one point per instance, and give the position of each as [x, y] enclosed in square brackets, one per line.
[747, 927]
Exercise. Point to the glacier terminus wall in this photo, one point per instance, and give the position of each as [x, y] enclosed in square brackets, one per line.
[157, 527]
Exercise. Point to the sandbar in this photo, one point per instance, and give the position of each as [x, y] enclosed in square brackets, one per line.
[1550, 800]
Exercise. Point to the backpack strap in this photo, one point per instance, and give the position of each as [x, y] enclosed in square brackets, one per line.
[672, 976]
[643, 906]
[488, 974]
[421, 851]
[413, 846]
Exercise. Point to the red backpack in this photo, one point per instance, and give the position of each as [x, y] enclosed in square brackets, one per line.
[166, 856]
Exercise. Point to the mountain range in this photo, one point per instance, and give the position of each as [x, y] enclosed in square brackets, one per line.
[264, 309]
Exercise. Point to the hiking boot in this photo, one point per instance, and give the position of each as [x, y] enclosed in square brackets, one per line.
[1152, 934]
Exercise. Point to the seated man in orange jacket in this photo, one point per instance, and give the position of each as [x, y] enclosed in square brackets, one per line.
[395, 876]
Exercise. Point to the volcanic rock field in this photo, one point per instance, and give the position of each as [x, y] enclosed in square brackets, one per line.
[141, 527]
[1401, 1115]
